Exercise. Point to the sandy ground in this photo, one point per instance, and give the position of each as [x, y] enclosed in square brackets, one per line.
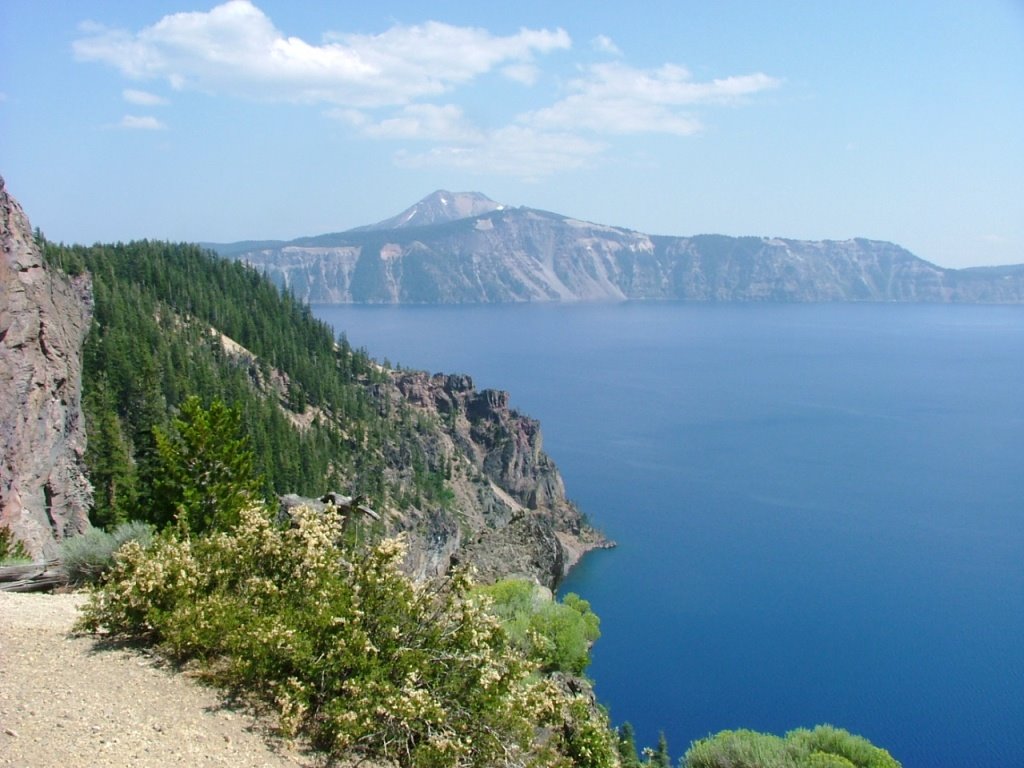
[70, 701]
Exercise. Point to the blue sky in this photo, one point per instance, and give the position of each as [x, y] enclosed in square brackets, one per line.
[192, 120]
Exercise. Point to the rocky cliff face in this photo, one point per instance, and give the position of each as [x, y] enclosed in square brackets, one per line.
[505, 511]
[519, 254]
[509, 515]
[44, 317]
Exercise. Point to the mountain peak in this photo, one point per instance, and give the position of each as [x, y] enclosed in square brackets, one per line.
[438, 208]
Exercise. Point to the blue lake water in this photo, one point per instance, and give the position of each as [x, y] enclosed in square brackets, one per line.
[819, 508]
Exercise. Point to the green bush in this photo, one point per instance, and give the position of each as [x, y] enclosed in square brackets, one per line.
[841, 745]
[350, 652]
[558, 636]
[87, 557]
[824, 747]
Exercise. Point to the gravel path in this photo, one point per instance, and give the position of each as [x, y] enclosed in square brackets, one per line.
[68, 701]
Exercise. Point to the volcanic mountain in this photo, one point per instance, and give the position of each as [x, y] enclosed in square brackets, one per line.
[452, 248]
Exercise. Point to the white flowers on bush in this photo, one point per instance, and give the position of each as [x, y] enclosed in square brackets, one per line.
[351, 653]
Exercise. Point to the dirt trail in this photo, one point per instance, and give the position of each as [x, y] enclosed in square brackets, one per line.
[68, 701]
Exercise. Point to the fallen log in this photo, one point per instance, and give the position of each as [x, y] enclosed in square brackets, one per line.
[32, 577]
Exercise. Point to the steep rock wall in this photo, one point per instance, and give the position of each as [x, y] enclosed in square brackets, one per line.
[510, 515]
[44, 317]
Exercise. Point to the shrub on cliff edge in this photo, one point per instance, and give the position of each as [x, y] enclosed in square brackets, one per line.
[556, 635]
[823, 747]
[350, 651]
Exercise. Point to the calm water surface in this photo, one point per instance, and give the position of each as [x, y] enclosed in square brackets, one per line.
[819, 509]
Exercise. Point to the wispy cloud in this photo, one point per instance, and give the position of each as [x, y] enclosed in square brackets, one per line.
[142, 123]
[402, 85]
[610, 99]
[236, 49]
[604, 44]
[142, 98]
[513, 150]
[615, 98]
[524, 72]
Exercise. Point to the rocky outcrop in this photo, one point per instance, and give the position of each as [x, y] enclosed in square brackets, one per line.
[508, 515]
[44, 317]
[450, 254]
[504, 512]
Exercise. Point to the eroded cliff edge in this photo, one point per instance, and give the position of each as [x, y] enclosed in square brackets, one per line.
[505, 513]
[44, 317]
[510, 515]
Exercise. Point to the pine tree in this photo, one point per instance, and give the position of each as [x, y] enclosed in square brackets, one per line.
[145, 410]
[206, 473]
[111, 471]
[154, 343]
[628, 756]
[659, 758]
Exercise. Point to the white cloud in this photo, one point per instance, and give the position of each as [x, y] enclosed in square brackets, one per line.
[142, 98]
[391, 85]
[604, 44]
[614, 98]
[512, 150]
[525, 73]
[609, 99]
[235, 48]
[142, 122]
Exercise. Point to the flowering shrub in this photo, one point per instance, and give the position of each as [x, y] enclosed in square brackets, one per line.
[350, 651]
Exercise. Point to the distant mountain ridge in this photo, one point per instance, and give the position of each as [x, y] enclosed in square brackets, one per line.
[453, 248]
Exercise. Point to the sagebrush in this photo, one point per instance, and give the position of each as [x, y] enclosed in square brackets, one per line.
[88, 557]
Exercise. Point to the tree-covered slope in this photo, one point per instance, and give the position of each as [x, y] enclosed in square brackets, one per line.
[457, 469]
[161, 315]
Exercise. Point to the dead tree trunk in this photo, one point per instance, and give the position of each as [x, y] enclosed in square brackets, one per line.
[34, 577]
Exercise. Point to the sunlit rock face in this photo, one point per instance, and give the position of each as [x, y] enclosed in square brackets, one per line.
[44, 317]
